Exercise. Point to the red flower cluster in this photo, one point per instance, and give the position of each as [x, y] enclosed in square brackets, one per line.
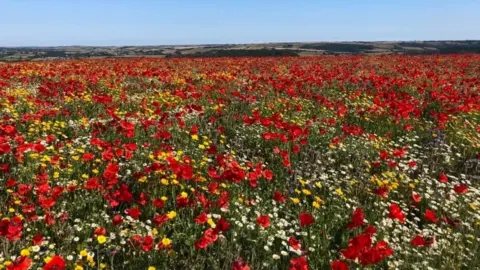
[11, 229]
[361, 247]
[210, 236]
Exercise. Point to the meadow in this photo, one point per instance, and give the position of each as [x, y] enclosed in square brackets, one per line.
[345, 162]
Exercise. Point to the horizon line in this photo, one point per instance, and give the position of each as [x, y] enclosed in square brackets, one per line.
[239, 43]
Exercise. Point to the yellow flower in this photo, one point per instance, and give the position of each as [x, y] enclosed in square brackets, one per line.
[83, 253]
[166, 241]
[306, 192]
[316, 204]
[473, 206]
[101, 239]
[211, 223]
[90, 260]
[172, 214]
[25, 252]
[47, 259]
[184, 195]
[339, 191]
[78, 267]
[151, 268]
[195, 137]
[295, 200]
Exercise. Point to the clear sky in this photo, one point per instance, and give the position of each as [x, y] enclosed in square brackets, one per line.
[157, 22]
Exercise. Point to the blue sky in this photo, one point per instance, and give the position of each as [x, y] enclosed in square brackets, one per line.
[143, 22]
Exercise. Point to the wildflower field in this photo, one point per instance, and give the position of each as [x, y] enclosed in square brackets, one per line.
[347, 162]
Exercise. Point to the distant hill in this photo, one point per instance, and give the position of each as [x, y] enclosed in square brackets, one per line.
[241, 50]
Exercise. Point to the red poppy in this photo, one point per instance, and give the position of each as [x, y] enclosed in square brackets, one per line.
[460, 189]
[382, 191]
[357, 219]
[37, 239]
[430, 216]
[208, 238]
[443, 178]
[240, 265]
[56, 263]
[181, 201]
[145, 243]
[159, 220]
[117, 220]
[158, 203]
[294, 243]
[418, 241]
[100, 231]
[201, 219]
[21, 263]
[4, 148]
[264, 221]
[278, 197]
[415, 197]
[87, 157]
[133, 212]
[370, 230]
[143, 198]
[421, 241]
[92, 183]
[383, 154]
[305, 219]
[268, 174]
[339, 265]
[396, 213]
[222, 225]
[299, 263]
